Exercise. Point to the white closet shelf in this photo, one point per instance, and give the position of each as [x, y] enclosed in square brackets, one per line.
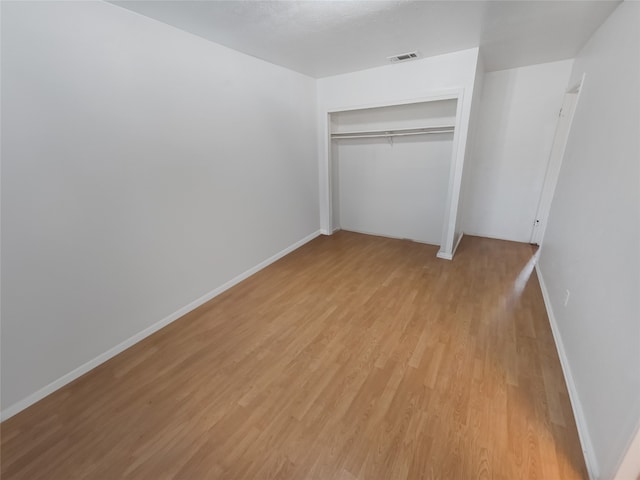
[398, 132]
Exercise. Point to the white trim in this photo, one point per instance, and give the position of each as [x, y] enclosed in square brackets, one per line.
[381, 235]
[583, 433]
[455, 248]
[112, 352]
[494, 237]
[444, 255]
[455, 170]
[554, 164]
[324, 231]
[329, 171]
[578, 85]
[326, 169]
[455, 180]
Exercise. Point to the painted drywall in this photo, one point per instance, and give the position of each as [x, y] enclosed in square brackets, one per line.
[508, 161]
[395, 84]
[592, 243]
[630, 466]
[472, 142]
[142, 167]
[322, 38]
[397, 189]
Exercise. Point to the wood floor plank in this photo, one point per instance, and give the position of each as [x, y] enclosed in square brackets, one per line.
[354, 357]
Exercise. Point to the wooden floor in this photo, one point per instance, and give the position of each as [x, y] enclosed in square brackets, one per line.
[353, 357]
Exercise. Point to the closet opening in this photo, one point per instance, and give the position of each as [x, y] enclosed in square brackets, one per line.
[392, 170]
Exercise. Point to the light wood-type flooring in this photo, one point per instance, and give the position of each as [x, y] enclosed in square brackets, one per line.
[354, 357]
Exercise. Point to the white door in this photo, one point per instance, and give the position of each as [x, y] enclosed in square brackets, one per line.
[553, 167]
[396, 189]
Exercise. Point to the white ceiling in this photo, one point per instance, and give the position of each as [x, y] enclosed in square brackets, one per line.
[322, 38]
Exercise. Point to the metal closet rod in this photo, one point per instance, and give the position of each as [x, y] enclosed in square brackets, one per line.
[392, 133]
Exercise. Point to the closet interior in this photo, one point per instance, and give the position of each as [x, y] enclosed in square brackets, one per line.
[391, 169]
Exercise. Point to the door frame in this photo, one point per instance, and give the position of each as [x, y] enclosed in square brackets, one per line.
[554, 164]
[457, 159]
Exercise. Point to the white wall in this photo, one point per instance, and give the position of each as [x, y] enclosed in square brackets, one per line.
[592, 242]
[630, 466]
[472, 145]
[395, 84]
[517, 122]
[142, 167]
[396, 190]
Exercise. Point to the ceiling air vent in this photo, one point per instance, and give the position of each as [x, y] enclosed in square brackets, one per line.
[403, 57]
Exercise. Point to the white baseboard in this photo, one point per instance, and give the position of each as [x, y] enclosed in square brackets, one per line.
[449, 256]
[112, 352]
[324, 231]
[457, 244]
[444, 255]
[374, 234]
[496, 237]
[585, 439]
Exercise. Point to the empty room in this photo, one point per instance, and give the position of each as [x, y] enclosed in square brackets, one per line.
[307, 239]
